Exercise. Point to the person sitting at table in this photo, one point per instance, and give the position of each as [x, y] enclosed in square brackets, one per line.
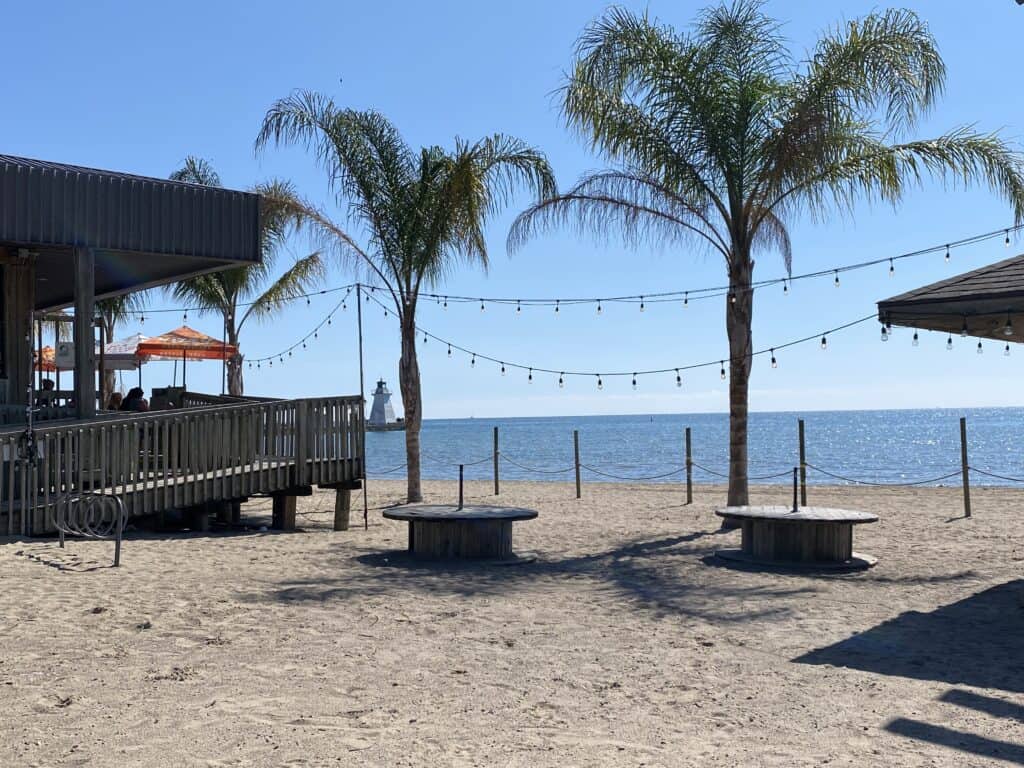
[135, 401]
[46, 396]
[116, 400]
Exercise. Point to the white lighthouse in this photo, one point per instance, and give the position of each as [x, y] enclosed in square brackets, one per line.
[382, 414]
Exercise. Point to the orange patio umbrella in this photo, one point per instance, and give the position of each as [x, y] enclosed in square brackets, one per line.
[184, 344]
[47, 361]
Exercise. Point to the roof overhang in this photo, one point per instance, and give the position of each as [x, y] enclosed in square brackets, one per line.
[144, 231]
[985, 301]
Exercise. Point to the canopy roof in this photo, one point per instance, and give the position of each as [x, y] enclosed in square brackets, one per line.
[185, 343]
[117, 356]
[144, 231]
[987, 301]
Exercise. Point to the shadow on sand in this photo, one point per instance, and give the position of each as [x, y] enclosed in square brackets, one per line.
[975, 641]
[651, 574]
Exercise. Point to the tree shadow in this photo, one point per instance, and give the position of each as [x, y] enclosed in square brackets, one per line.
[974, 641]
[651, 574]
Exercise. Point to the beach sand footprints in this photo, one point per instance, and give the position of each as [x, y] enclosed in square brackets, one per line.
[50, 554]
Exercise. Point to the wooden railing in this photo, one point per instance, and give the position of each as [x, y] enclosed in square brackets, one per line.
[203, 400]
[179, 458]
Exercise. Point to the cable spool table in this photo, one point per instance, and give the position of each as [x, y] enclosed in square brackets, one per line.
[804, 537]
[447, 531]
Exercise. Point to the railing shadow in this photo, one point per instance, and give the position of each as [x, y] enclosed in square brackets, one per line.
[958, 740]
[975, 641]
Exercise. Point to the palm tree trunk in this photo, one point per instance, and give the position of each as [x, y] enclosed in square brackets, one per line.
[738, 317]
[409, 383]
[107, 381]
[236, 384]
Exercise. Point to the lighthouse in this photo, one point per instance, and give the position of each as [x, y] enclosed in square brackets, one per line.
[382, 414]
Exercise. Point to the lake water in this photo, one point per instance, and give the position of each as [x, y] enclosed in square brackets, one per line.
[873, 446]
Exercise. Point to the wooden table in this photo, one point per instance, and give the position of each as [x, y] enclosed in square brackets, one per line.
[808, 537]
[445, 531]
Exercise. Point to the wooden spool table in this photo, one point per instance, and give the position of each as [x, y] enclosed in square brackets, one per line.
[446, 531]
[808, 537]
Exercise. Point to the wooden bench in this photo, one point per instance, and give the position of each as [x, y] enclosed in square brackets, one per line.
[807, 537]
[446, 531]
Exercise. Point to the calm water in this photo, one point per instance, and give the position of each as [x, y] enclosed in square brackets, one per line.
[877, 446]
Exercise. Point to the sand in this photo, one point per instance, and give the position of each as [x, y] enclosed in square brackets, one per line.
[626, 643]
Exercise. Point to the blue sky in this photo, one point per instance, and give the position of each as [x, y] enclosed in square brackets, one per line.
[138, 86]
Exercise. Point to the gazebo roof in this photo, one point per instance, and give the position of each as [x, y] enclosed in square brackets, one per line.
[144, 231]
[987, 301]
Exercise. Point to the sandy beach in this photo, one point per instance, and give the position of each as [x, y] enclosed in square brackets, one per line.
[625, 643]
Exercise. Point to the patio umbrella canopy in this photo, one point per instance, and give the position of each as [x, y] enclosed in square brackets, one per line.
[986, 302]
[117, 356]
[185, 343]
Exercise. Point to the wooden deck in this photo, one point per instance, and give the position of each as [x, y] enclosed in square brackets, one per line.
[180, 458]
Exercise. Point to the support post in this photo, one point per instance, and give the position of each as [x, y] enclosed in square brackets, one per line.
[342, 508]
[496, 487]
[462, 468]
[85, 347]
[803, 464]
[965, 470]
[362, 407]
[576, 452]
[283, 512]
[689, 467]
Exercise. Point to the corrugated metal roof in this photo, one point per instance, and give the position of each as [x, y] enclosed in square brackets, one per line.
[53, 204]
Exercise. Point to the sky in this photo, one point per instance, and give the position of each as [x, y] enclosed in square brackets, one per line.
[137, 87]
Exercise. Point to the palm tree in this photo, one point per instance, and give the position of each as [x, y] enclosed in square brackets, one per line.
[720, 138]
[242, 293]
[424, 211]
[112, 312]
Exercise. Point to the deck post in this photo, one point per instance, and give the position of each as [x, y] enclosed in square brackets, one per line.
[689, 467]
[965, 470]
[85, 348]
[342, 508]
[495, 461]
[803, 464]
[283, 514]
[576, 452]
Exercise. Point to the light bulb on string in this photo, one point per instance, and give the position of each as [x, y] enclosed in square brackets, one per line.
[885, 333]
[824, 342]
[519, 307]
[732, 296]
[307, 301]
[775, 363]
[686, 299]
[142, 319]
[837, 279]
[634, 381]
[184, 317]
[892, 268]
[481, 305]
[445, 305]
[529, 377]
[915, 340]
[721, 373]
[425, 337]
[600, 384]
[561, 380]
[949, 342]
[785, 288]
[303, 344]
[980, 348]
[316, 335]
[641, 303]
[599, 310]
[557, 303]
[449, 350]
[502, 369]
[947, 254]
[328, 319]
[1006, 242]
[344, 307]
[270, 363]
[1006, 351]
[679, 379]
[280, 359]
[289, 353]
[472, 360]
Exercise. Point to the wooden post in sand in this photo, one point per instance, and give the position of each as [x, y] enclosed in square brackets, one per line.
[965, 470]
[576, 452]
[803, 464]
[689, 468]
[495, 461]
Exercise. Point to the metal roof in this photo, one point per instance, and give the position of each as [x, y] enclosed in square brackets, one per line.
[144, 231]
[985, 301]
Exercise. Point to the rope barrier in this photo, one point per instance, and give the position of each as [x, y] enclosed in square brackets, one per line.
[388, 471]
[621, 477]
[998, 477]
[883, 485]
[534, 469]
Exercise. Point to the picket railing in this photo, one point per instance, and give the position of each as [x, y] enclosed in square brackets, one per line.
[178, 458]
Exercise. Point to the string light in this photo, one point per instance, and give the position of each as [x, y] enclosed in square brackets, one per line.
[1007, 240]
[785, 288]
[686, 299]
[885, 333]
[824, 342]
[947, 254]
[949, 342]
[142, 319]
[892, 268]
[184, 317]
[307, 301]
[328, 319]
[502, 369]
[599, 306]
[721, 373]
[641, 303]
[915, 341]
[634, 381]
[449, 350]
[1006, 351]
[472, 361]
[732, 296]
[445, 307]
[519, 308]
[557, 301]
[481, 305]
[775, 363]
[561, 380]
[679, 379]
[425, 337]
[980, 349]
[529, 377]
[600, 384]
[837, 278]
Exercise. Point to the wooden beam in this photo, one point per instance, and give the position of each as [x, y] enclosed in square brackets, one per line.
[85, 345]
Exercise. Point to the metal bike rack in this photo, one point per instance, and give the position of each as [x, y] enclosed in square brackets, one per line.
[92, 516]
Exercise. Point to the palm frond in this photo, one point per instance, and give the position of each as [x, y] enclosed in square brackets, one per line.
[298, 280]
[196, 170]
